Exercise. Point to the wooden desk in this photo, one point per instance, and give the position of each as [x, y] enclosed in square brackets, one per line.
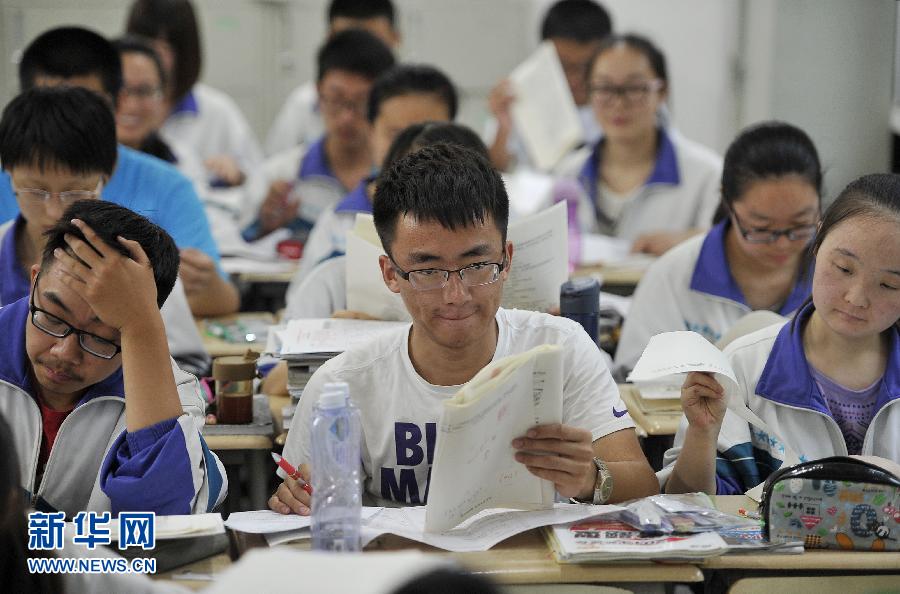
[219, 347]
[621, 280]
[650, 424]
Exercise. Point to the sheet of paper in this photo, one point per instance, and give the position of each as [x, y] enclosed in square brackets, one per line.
[529, 191]
[316, 336]
[544, 111]
[603, 249]
[266, 521]
[184, 526]
[240, 265]
[261, 249]
[366, 291]
[540, 260]
[680, 352]
[483, 530]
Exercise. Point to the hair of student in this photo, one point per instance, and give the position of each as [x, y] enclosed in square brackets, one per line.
[424, 134]
[65, 52]
[110, 221]
[14, 573]
[640, 44]
[361, 9]
[579, 20]
[765, 151]
[452, 185]
[448, 581]
[355, 51]
[412, 79]
[67, 127]
[136, 44]
[175, 22]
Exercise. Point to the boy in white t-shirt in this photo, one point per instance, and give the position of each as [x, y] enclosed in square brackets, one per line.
[441, 214]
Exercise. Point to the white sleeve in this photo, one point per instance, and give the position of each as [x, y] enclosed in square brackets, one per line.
[320, 293]
[590, 396]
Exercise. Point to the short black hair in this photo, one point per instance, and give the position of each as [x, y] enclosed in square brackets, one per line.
[71, 51]
[109, 221]
[66, 127]
[355, 51]
[175, 22]
[409, 79]
[423, 134]
[579, 20]
[361, 9]
[135, 44]
[450, 184]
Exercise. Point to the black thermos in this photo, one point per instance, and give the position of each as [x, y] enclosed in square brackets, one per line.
[579, 300]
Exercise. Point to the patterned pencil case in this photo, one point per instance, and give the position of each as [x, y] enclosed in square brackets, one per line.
[833, 503]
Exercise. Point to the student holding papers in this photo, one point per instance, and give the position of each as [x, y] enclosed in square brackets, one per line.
[751, 259]
[441, 214]
[103, 419]
[641, 181]
[827, 382]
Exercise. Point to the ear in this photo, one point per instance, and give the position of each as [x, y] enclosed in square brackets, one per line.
[389, 274]
[35, 268]
[509, 256]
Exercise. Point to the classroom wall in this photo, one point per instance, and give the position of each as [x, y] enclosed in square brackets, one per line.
[826, 65]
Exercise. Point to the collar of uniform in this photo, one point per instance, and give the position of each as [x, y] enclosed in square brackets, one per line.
[13, 283]
[315, 162]
[14, 364]
[712, 274]
[188, 104]
[357, 200]
[665, 170]
[786, 377]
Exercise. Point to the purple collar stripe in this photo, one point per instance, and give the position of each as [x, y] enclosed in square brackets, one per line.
[188, 104]
[357, 200]
[315, 163]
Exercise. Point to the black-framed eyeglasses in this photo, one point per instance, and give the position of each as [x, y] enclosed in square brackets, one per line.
[632, 94]
[57, 328]
[334, 105]
[797, 233]
[65, 198]
[473, 275]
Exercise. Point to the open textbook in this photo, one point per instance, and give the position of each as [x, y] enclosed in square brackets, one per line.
[539, 266]
[544, 112]
[474, 466]
[674, 353]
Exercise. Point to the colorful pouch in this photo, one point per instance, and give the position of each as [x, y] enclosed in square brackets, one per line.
[833, 503]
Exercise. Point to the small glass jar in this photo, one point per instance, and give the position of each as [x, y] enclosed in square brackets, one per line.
[234, 388]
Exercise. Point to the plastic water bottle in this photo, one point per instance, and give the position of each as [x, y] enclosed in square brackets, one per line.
[336, 490]
[579, 300]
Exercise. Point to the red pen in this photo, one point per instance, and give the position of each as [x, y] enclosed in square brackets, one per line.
[292, 472]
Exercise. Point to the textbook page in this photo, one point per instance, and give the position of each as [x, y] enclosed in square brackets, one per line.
[683, 351]
[544, 112]
[474, 465]
[366, 291]
[329, 336]
[540, 261]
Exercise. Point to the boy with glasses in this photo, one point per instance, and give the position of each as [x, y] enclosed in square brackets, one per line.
[102, 418]
[299, 184]
[441, 214]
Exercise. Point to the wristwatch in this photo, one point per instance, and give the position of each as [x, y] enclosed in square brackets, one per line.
[603, 486]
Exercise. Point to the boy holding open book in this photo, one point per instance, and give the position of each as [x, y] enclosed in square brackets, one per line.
[441, 214]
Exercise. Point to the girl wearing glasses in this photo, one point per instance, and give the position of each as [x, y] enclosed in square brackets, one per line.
[641, 182]
[751, 259]
[828, 382]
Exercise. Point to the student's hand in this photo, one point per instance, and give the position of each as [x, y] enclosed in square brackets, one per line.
[703, 402]
[561, 454]
[346, 314]
[225, 168]
[657, 244]
[277, 209]
[500, 101]
[197, 270]
[290, 498]
[119, 289]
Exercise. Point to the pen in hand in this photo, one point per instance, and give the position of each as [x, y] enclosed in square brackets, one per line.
[292, 472]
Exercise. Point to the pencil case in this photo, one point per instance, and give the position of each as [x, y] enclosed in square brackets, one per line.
[833, 503]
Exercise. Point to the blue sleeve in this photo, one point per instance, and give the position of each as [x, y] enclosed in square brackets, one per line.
[728, 486]
[149, 470]
[9, 208]
[186, 222]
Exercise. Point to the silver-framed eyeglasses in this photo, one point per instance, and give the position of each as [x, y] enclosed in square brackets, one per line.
[142, 92]
[633, 93]
[50, 324]
[753, 235]
[473, 275]
[67, 197]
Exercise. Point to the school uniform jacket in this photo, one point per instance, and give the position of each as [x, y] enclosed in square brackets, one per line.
[691, 287]
[95, 464]
[681, 193]
[776, 383]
